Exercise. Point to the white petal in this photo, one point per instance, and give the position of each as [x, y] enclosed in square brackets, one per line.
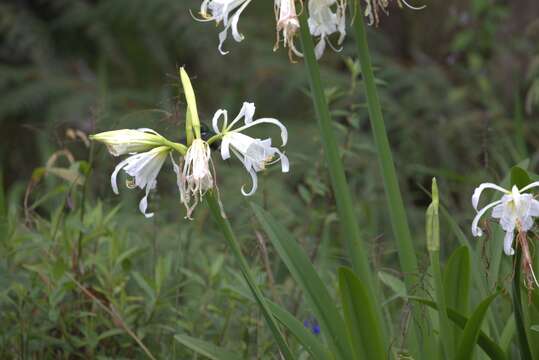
[508, 242]
[285, 165]
[252, 172]
[247, 111]
[477, 192]
[530, 186]
[284, 132]
[476, 231]
[113, 182]
[534, 208]
[222, 37]
[498, 211]
[143, 204]
[215, 120]
[225, 147]
[320, 47]
[235, 33]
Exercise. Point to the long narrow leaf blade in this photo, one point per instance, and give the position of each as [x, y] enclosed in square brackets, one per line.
[310, 342]
[363, 327]
[205, 348]
[491, 348]
[300, 267]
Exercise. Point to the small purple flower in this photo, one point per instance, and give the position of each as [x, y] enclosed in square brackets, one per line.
[312, 324]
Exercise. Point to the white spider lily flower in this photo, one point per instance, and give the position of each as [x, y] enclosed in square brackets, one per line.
[323, 22]
[255, 154]
[143, 168]
[515, 211]
[129, 141]
[196, 178]
[228, 12]
[288, 24]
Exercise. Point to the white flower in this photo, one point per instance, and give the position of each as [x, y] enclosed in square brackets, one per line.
[143, 168]
[195, 178]
[323, 22]
[287, 23]
[516, 210]
[129, 141]
[254, 153]
[228, 12]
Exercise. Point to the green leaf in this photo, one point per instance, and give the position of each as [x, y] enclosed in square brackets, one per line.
[310, 342]
[519, 177]
[508, 333]
[456, 281]
[393, 282]
[365, 332]
[490, 347]
[207, 349]
[472, 329]
[316, 293]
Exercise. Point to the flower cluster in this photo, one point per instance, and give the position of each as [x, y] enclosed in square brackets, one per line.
[148, 151]
[515, 211]
[325, 18]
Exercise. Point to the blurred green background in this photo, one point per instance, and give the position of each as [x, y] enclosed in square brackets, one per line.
[459, 83]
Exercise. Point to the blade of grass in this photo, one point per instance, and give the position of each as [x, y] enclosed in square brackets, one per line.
[457, 285]
[472, 329]
[365, 332]
[228, 234]
[323, 306]
[310, 342]
[491, 348]
[344, 199]
[205, 348]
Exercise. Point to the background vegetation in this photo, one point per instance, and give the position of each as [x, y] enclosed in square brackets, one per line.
[84, 275]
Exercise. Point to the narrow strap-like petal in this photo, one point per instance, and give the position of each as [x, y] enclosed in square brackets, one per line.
[476, 231]
[225, 147]
[114, 175]
[285, 165]
[215, 120]
[477, 192]
[254, 178]
[284, 132]
[143, 204]
[530, 186]
[247, 111]
[508, 243]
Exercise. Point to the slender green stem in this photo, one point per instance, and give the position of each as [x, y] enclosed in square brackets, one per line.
[524, 346]
[399, 222]
[226, 229]
[345, 208]
[396, 206]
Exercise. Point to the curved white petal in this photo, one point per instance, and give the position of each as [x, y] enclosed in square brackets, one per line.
[247, 111]
[477, 192]
[215, 120]
[508, 243]
[285, 165]
[284, 132]
[114, 175]
[254, 178]
[476, 231]
[143, 204]
[225, 147]
[530, 186]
